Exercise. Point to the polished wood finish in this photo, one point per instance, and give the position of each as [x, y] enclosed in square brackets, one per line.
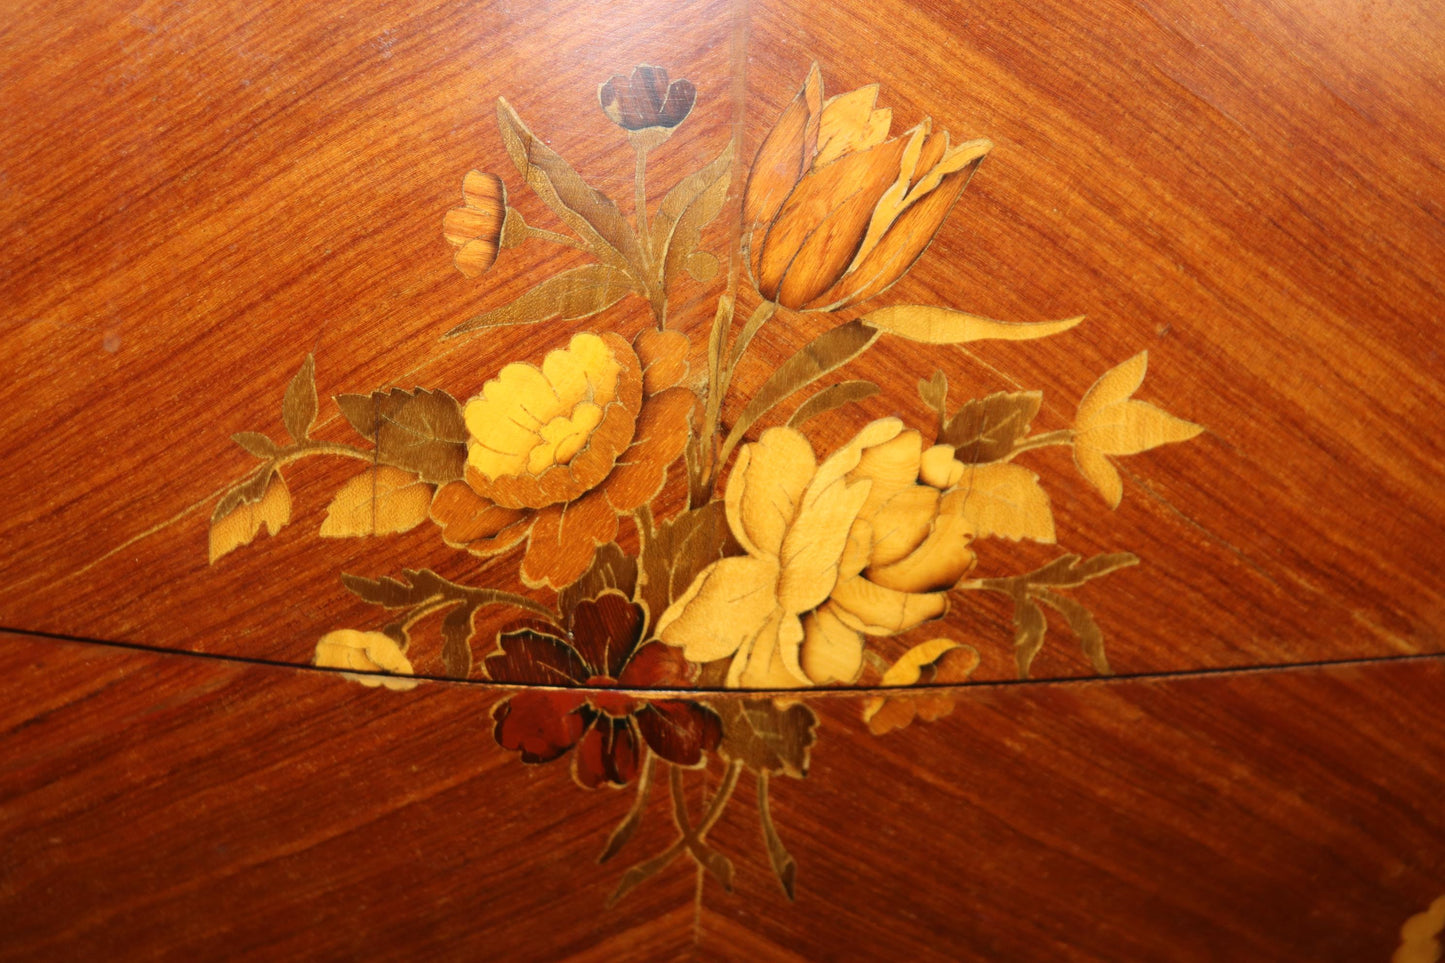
[198, 200]
[187, 808]
[197, 197]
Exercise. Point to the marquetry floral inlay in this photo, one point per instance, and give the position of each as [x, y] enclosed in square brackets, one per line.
[1422, 938]
[778, 562]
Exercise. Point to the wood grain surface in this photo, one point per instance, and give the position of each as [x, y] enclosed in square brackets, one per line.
[199, 200]
[194, 198]
[164, 807]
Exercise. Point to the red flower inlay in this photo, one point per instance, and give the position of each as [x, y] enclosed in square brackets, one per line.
[598, 649]
[647, 99]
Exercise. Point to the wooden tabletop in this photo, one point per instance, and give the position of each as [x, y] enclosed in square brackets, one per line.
[188, 809]
[1103, 430]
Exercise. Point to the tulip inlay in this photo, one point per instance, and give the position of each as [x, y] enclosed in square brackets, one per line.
[773, 563]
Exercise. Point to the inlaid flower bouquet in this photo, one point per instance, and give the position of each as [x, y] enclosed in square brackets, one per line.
[758, 560]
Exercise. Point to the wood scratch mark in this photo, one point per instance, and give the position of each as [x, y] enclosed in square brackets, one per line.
[1395, 640]
[972, 356]
[1219, 540]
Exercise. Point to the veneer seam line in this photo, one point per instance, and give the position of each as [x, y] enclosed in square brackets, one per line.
[1180, 674]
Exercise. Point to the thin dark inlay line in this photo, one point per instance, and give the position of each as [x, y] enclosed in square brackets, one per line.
[1181, 674]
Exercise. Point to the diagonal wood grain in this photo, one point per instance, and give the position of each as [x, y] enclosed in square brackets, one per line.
[193, 199]
[158, 806]
[1245, 189]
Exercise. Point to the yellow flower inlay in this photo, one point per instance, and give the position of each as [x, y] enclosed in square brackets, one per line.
[365, 652]
[862, 544]
[527, 420]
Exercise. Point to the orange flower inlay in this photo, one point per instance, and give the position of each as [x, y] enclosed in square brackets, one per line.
[835, 211]
[557, 452]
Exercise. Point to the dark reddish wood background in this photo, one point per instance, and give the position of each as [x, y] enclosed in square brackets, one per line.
[195, 196]
[182, 808]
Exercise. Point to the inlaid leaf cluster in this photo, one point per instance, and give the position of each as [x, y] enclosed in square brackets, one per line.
[677, 527]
